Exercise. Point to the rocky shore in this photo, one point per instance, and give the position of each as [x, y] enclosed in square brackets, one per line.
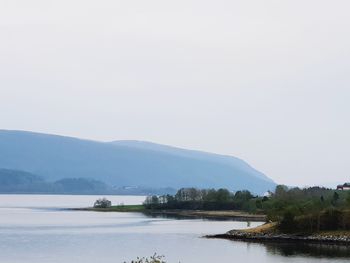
[266, 233]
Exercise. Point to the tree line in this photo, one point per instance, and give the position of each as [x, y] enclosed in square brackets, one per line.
[295, 209]
[205, 199]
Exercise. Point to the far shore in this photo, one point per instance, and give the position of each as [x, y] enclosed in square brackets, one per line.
[217, 214]
[268, 233]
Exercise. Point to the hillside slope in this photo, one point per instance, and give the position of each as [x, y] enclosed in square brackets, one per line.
[125, 163]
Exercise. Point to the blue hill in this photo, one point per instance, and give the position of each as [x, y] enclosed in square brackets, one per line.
[126, 163]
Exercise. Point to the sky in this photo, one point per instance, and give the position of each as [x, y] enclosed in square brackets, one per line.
[265, 81]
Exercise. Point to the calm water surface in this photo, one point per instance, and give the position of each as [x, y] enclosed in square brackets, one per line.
[33, 229]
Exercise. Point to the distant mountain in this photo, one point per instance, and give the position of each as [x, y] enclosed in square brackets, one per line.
[80, 185]
[199, 155]
[15, 181]
[123, 164]
[19, 181]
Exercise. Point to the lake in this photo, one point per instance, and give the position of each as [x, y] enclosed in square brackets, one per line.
[35, 229]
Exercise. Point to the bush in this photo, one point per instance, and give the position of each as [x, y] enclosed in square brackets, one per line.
[153, 259]
[102, 203]
[331, 219]
[287, 223]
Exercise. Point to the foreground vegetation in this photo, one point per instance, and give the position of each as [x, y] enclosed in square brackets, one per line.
[294, 210]
[152, 259]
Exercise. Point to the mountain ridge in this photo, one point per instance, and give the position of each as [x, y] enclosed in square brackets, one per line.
[126, 163]
[190, 153]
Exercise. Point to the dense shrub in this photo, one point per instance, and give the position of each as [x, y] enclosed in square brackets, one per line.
[102, 203]
[287, 223]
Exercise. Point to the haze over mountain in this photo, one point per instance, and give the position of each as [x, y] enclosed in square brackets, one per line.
[125, 163]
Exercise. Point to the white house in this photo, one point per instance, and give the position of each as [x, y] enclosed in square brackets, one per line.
[345, 186]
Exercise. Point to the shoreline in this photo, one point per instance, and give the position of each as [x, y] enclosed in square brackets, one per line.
[216, 214]
[267, 233]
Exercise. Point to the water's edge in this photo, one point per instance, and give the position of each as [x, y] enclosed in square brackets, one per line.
[190, 214]
[260, 238]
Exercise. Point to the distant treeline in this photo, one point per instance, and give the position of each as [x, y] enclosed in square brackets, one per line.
[296, 210]
[195, 199]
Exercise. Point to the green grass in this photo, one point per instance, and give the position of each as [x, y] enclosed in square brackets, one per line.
[120, 208]
[128, 208]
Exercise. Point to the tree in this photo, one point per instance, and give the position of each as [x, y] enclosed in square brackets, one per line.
[102, 203]
[182, 195]
[258, 203]
[194, 194]
[281, 191]
[243, 196]
[348, 199]
[155, 200]
[223, 196]
[335, 198]
[287, 223]
[265, 199]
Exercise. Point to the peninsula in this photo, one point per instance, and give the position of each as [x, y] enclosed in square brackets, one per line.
[312, 214]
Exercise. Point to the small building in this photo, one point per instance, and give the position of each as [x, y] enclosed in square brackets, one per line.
[345, 186]
[268, 194]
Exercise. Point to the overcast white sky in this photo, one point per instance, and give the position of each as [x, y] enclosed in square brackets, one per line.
[266, 81]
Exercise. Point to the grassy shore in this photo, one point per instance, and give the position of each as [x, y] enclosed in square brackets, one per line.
[116, 208]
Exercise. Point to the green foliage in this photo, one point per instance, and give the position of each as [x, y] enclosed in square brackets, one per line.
[287, 223]
[207, 199]
[335, 198]
[281, 191]
[348, 199]
[295, 210]
[309, 209]
[102, 203]
[127, 208]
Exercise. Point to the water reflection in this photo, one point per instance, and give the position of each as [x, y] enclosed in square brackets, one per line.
[308, 250]
[32, 235]
[204, 218]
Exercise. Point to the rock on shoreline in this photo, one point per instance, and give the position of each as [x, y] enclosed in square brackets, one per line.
[254, 235]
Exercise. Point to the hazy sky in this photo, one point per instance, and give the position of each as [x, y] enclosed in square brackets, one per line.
[266, 81]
